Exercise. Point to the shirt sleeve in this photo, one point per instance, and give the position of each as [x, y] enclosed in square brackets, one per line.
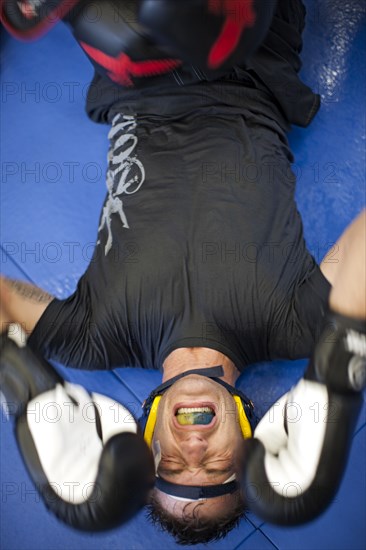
[300, 325]
[70, 333]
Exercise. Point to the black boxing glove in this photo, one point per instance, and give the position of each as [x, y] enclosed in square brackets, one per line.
[30, 19]
[296, 461]
[130, 40]
[84, 452]
[116, 43]
[107, 30]
[213, 35]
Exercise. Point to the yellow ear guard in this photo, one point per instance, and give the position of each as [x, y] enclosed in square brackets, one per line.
[245, 426]
[151, 421]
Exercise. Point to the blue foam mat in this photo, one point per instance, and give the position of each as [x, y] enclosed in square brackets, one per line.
[51, 193]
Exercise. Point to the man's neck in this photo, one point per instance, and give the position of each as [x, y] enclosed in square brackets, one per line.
[183, 359]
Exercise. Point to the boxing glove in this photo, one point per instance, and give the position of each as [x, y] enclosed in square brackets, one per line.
[213, 35]
[107, 30]
[131, 40]
[295, 463]
[84, 452]
[30, 19]
[116, 42]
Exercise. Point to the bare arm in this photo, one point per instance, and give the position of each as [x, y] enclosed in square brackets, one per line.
[21, 303]
[348, 275]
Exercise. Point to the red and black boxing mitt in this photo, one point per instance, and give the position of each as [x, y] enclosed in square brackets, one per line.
[213, 35]
[30, 19]
[128, 40]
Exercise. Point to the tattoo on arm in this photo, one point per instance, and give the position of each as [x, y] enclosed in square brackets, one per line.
[29, 292]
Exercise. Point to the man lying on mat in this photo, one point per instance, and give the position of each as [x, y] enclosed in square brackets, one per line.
[200, 266]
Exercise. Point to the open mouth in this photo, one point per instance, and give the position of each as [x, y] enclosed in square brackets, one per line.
[192, 416]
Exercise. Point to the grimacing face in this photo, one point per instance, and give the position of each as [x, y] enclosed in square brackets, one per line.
[197, 454]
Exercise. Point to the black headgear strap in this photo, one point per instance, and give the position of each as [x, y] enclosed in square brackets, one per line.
[196, 492]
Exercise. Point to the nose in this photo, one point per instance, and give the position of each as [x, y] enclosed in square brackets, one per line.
[194, 448]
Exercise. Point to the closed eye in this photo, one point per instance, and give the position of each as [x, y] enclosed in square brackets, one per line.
[169, 472]
[210, 471]
[219, 471]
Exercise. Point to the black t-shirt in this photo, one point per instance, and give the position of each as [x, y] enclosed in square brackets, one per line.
[200, 244]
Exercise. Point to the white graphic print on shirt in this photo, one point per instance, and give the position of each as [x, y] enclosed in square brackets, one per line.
[125, 174]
